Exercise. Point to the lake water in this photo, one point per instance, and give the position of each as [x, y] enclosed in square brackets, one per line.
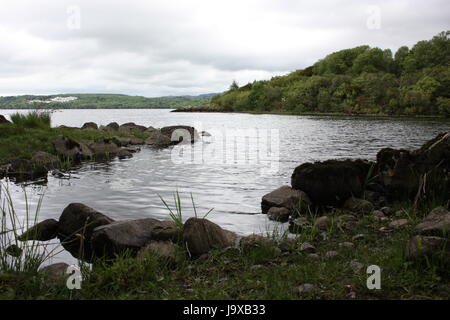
[245, 157]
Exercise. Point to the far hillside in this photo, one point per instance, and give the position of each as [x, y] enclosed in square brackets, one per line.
[101, 101]
[362, 80]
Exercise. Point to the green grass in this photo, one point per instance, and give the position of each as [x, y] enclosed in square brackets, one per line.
[263, 272]
[33, 119]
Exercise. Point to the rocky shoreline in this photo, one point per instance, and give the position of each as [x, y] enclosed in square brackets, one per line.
[346, 189]
[68, 151]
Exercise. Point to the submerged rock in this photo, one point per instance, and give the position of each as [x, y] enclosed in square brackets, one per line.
[71, 149]
[158, 140]
[43, 231]
[202, 235]
[331, 182]
[76, 226]
[104, 149]
[116, 238]
[181, 133]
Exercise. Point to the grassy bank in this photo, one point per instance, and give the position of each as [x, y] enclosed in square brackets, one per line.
[29, 134]
[263, 272]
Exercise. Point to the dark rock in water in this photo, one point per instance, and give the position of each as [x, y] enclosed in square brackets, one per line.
[3, 119]
[14, 251]
[55, 272]
[331, 182]
[43, 231]
[90, 126]
[436, 223]
[202, 235]
[279, 214]
[124, 153]
[45, 160]
[285, 197]
[24, 169]
[401, 172]
[131, 126]
[358, 205]
[421, 247]
[181, 133]
[71, 149]
[75, 228]
[104, 149]
[132, 149]
[158, 140]
[118, 237]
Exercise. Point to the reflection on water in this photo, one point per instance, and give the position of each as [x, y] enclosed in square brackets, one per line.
[130, 189]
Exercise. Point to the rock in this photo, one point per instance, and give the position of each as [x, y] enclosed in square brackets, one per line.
[3, 119]
[346, 244]
[323, 223]
[386, 211]
[71, 149]
[288, 244]
[297, 225]
[55, 272]
[307, 247]
[158, 140]
[308, 287]
[313, 256]
[90, 126]
[378, 214]
[115, 238]
[181, 133]
[356, 266]
[104, 149]
[132, 149]
[202, 235]
[25, 169]
[400, 171]
[420, 247]
[131, 126]
[278, 214]
[45, 160]
[14, 251]
[358, 237]
[43, 231]
[331, 182]
[399, 223]
[331, 254]
[358, 205]
[124, 153]
[76, 225]
[113, 126]
[286, 197]
[161, 249]
[437, 222]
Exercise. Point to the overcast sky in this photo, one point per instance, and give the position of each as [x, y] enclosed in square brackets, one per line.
[157, 48]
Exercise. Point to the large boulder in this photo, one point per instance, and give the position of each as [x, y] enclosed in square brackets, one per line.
[113, 126]
[90, 126]
[402, 172]
[43, 231]
[331, 182]
[162, 249]
[285, 197]
[127, 141]
[71, 149]
[76, 226]
[3, 119]
[202, 235]
[436, 223]
[118, 237]
[279, 214]
[178, 134]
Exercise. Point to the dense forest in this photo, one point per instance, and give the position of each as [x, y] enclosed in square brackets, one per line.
[102, 101]
[362, 80]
